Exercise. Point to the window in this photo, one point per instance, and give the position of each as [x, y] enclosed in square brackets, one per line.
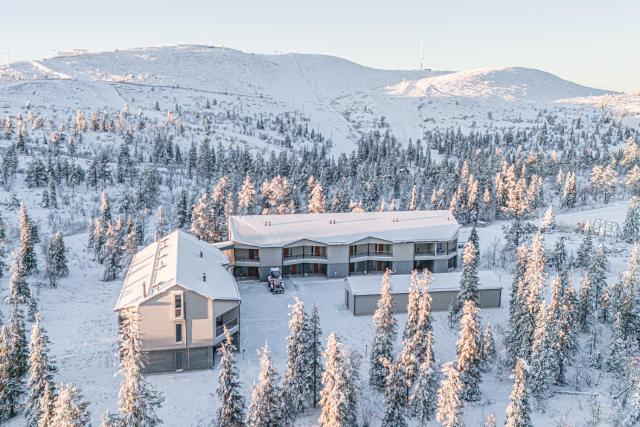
[177, 298]
[219, 326]
[179, 332]
[179, 360]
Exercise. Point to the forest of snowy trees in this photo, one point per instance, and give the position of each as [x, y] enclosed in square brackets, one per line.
[126, 178]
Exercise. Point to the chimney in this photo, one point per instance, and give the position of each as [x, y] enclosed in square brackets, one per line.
[204, 277]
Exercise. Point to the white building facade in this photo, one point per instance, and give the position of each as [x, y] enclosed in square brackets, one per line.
[343, 244]
[186, 295]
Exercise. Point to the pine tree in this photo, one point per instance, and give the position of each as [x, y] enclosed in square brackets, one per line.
[628, 409]
[47, 402]
[449, 411]
[27, 242]
[339, 381]
[385, 330]
[41, 371]
[542, 366]
[112, 255]
[562, 332]
[246, 197]
[231, 410]
[266, 405]
[519, 411]
[585, 250]
[597, 270]
[181, 211]
[297, 389]
[137, 400]
[422, 402]
[70, 409]
[586, 310]
[488, 350]
[105, 209]
[548, 220]
[619, 349]
[314, 355]
[631, 227]
[57, 257]
[468, 352]
[469, 280]
[317, 199]
[13, 364]
[413, 307]
[19, 290]
[394, 395]
[203, 220]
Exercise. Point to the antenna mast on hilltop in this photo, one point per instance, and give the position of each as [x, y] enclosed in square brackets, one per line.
[422, 55]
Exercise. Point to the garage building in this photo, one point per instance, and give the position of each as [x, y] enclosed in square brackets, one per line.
[363, 292]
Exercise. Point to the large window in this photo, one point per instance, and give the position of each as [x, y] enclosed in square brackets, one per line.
[178, 332]
[178, 305]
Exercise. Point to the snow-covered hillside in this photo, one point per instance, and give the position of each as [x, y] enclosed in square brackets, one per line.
[342, 99]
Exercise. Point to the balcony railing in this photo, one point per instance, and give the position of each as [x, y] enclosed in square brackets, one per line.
[439, 252]
[230, 324]
[361, 254]
[304, 256]
[246, 259]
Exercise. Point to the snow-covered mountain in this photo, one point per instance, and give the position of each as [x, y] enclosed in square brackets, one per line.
[341, 98]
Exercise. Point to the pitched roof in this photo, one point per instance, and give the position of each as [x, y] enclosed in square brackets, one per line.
[370, 285]
[176, 260]
[343, 228]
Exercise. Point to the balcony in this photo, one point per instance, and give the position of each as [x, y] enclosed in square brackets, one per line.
[246, 260]
[298, 253]
[230, 325]
[362, 255]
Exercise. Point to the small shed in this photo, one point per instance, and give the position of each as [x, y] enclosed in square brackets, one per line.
[361, 293]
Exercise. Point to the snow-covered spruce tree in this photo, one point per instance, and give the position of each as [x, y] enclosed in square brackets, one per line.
[413, 308]
[585, 250]
[137, 400]
[518, 208]
[631, 227]
[570, 196]
[628, 407]
[297, 389]
[203, 220]
[182, 210]
[395, 395]
[57, 257]
[339, 380]
[424, 328]
[597, 271]
[384, 335]
[19, 290]
[469, 280]
[548, 220]
[517, 288]
[473, 237]
[246, 197]
[70, 409]
[586, 309]
[533, 282]
[542, 366]
[619, 348]
[231, 410]
[422, 402]
[267, 404]
[519, 410]
[11, 387]
[563, 339]
[468, 352]
[41, 371]
[105, 208]
[112, 255]
[46, 403]
[488, 350]
[449, 410]
[314, 355]
[317, 199]
[27, 242]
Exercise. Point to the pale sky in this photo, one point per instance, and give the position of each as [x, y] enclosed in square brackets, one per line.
[595, 43]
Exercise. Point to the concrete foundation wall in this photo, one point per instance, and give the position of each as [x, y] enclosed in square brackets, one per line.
[161, 361]
[440, 266]
[337, 270]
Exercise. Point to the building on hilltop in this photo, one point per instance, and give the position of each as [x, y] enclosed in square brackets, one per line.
[343, 244]
[186, 295]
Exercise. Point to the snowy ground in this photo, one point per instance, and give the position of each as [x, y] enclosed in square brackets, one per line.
[82, 326]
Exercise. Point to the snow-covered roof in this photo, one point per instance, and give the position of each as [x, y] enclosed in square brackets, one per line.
[370, 285]
[343, 228]
[177, 259]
